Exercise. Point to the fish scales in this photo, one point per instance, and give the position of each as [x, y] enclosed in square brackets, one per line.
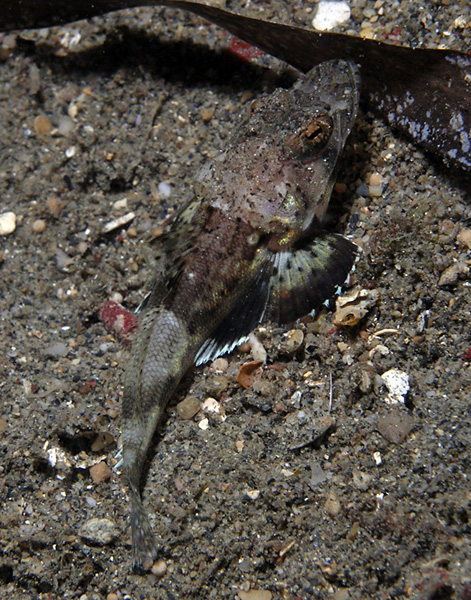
[249, 246]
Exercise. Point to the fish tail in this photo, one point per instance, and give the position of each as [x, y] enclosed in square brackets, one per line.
[144, 546]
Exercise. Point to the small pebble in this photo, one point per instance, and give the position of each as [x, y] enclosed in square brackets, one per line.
[220, 364]
[120, 204]
[188, 408]
[397, 383]
[332, 505]
[451, 274]
[252, 494]
[330, 14]
[204, 424]
[39, 225]
[164, 189]
[255, 595]
[42, 125]
[55, 206]
[159, 568]
[100, 472]
[56, 350]
[340, 188]
[66, 125]
[112, 596]
[207, 114]
[217, 384]
[375, 185]
[99, 531]
[464, 236]
[361, 480]
[395, 427]
[7, 223]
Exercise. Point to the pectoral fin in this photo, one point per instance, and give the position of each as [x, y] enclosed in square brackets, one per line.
[305, 278]
[286, 286]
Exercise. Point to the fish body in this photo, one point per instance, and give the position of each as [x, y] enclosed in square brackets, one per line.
[248, 246]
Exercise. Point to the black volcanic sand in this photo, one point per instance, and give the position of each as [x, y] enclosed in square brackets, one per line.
[309, 484]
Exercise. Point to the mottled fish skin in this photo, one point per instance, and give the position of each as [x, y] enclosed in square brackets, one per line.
[247, 246]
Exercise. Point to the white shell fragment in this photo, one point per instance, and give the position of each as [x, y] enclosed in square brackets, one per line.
[397, 383]
[7, 223]
[124, 220]
[352, 307]
[330, 14]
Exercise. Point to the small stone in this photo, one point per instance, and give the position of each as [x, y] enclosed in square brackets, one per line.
[361, 480]
[7, 223]
[120, 204]
[159, 568]
[188, 408]
[332, 505]
[395, 427]
[207, 114]
[340, 188]
[252, 494]
[55, 206]
[464, 236]
[100, 472]
[39, 225]
[56, 350]
[42, 125]
[375, 186]
[254, 595]
[99, 531]
[397, 383]
[330, 14]
[317, 475]
[451, 274]
[112, 596]
[246, 96]
[66, 125]
[164, 189]
[220, 364]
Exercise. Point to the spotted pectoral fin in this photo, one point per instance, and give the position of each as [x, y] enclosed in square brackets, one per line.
[286, 286]
[304, 278]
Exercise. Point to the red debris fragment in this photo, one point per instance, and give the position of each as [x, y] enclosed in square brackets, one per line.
[243, 50]
[119, 321]
[467, 354]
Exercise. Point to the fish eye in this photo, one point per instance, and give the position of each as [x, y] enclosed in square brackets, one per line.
[311, 138]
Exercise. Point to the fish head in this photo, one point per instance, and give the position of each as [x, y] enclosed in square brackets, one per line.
[279, 170]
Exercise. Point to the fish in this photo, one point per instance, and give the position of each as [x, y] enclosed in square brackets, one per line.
[248, 246]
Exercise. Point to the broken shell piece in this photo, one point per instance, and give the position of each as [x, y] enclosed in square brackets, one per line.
[350, 309]
[211, 405]
[397, 383]
[120, 222]
[246, 374]
[258, 351]
[292, 341]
